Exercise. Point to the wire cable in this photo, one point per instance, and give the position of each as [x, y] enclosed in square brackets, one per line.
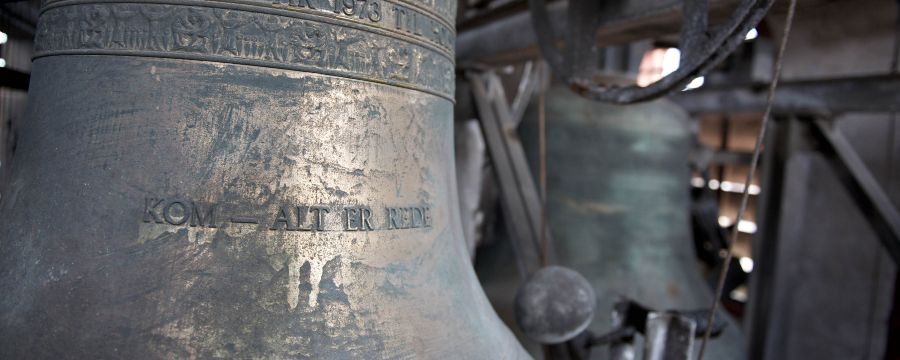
[720, 285]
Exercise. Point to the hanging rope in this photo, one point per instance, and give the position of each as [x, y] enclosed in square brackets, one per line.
[720, 285]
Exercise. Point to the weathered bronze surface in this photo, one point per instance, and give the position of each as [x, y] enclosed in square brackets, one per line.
[240, 179]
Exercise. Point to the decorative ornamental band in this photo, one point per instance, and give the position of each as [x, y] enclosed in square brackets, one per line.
[400, 18]
[240, 34]
[445, 9]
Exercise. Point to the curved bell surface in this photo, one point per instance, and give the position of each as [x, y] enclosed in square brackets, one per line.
[204, 179]
[618, 205]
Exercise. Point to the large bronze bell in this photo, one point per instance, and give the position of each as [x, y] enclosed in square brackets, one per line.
[240, 179]
[618, 204]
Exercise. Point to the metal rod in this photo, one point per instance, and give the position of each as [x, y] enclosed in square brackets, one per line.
[519, 194]
[542, 144]
[865, 190]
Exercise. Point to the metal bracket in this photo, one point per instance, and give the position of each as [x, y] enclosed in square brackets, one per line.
[669, 334]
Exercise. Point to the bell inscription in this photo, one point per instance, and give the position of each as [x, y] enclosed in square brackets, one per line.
[180, 212]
